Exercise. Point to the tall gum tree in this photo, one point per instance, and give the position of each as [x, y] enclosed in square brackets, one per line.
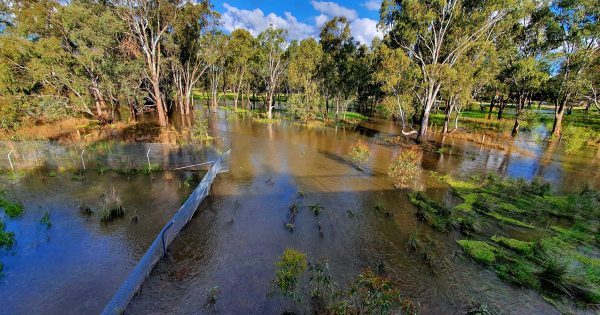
[436, 34]
[148, 22]
[193, 54]
[273, 62]
[241, 48]
[572, 33]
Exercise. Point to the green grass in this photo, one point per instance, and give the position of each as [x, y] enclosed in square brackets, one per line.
[7, 239]
[45, 220]
[111, 207]
[481, 251]
[516, 245]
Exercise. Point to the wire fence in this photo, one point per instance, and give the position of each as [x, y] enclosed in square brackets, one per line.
[169, 232]
[26, 155]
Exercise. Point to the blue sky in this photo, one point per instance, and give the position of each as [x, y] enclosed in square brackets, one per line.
[301, 18]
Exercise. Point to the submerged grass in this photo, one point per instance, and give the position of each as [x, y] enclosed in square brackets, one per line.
[11, 209]
[111, 206]
[7, 239]
[562, 263]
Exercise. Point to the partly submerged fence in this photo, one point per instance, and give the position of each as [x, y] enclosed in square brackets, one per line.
[27, 155]
[159, 246]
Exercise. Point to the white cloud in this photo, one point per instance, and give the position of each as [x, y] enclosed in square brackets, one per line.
[333, 9]
[321, 19]
[364, 30]
[255, 21]
[372, 5]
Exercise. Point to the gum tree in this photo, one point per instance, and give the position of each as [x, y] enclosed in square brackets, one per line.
[303, 79]
[273, 62]
[435, 35]
[572, 33]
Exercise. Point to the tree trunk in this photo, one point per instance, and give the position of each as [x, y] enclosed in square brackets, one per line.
[492, 103]
[559, 111]
[160, 108]
[429, 102]
[270, 105]
[502, 106]
[448, 112]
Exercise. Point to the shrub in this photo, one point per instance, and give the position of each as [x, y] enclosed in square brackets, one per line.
[289, 268]
[576, 138]
[200, 130]
[111, 206]
[360, 152]
[405, 168]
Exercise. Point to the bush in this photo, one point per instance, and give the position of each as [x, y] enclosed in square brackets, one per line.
[111, 206]
[405, 168]
[576, 138]
[200, 130]
[360, 152]
[289, 268]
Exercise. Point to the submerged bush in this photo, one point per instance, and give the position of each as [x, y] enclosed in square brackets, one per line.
[372, 294]
[7, 239]
[289, 268]
[200, 130]
[360, 152]
[111, 206]
[405, 168]
[12, 209]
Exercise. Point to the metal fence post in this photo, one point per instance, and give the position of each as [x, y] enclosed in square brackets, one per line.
[10, 161]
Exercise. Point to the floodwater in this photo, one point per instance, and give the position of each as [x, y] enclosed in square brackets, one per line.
[238, 234]
[76, 265]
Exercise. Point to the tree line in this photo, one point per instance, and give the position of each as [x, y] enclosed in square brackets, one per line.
[95, 58]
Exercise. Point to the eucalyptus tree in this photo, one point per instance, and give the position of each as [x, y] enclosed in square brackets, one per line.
[339, 48]
[273, 62]
[216, 70]
[398, 78]
[303, 78]
[436, 35]
[148, 23]
[572, 32]
[241, 48]
[193, 52]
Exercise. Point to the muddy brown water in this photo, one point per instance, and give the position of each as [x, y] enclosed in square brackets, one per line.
[238, 235]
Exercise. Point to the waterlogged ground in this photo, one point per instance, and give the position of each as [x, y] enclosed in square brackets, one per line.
[236, 238]
[75, 265]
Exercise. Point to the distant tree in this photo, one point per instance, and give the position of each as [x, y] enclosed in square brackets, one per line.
[436, 35]
[273, 62]
[149, 21]
[193, 53]
[303, 79]
[241, 48]
[336, 68]
[572, 34]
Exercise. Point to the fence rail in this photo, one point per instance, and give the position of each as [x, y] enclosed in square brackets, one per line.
[169, 232]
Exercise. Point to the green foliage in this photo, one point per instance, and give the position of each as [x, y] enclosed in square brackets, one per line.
[289, 268]
[200, 131]
[7, 239]
[11, 209]
[576, 138]
[316, 209]
[405, 168]
[428, 210]
[360, 152]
